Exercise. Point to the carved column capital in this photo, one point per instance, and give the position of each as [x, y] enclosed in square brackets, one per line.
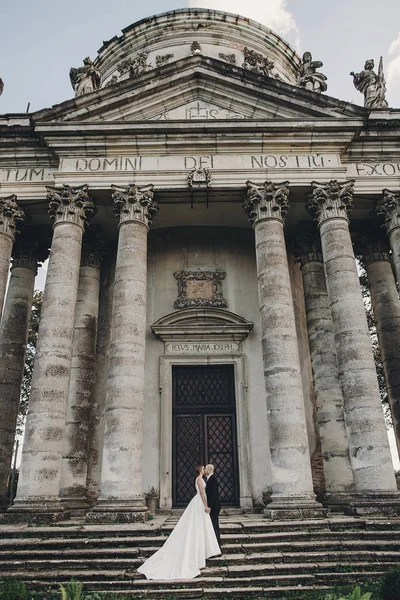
[70, 204]
[10, 215]
[132, 203]
[28, 253]
[371, 245]
[331, 200]
[306, 246]
[388, 208]
[92, 253]
[268, 201]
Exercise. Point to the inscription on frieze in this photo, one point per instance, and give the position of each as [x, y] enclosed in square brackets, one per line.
[228, 162]
[202, 347]
[371, 169]
[26, 175]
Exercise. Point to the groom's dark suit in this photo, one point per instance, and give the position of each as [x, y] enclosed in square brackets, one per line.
[214, 503]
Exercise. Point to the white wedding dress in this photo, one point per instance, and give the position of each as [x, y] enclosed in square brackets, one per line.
[186, 549]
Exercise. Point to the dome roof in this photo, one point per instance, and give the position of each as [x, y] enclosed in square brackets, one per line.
[168, 37]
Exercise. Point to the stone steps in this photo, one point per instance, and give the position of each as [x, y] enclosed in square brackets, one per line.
[260, 558]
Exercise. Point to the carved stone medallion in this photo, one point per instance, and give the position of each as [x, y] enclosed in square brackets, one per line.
[200, 288]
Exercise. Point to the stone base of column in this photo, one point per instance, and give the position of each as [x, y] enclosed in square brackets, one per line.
[289, 508]
[118, 511]
[338, 502]
[77, 507]
[35, 512]
[375, 504]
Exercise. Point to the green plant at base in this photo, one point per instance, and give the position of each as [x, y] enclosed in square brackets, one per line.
[390, 589]
[13, 590]
[72, 590]
[356, 595]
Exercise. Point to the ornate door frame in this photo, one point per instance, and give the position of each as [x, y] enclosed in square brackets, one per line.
[203, 336]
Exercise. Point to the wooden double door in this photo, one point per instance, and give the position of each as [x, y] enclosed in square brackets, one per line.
[204, 430]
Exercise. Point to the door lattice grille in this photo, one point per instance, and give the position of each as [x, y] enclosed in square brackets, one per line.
[203, 386]
[204, 430]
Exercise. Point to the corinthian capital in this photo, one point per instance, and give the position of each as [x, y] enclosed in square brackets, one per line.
[331, 200]
[132, 203]
[10, 215]
[268, 201]
[388, 208]
[306, 245]
[70, 204]
[28, 253]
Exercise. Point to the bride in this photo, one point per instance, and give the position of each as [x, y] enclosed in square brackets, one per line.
[189, 544]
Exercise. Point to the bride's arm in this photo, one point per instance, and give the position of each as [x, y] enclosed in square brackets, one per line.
[199, 482]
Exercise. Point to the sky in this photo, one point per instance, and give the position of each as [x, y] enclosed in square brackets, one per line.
[42, 39]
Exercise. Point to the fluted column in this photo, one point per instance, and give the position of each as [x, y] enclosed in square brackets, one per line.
[388, 208]
[38, 487]
[328, 393]
[121, 497]
[80, 397]
[386, 307]
[10, 214]
[368, 442]
[13, 340]
[292, 486]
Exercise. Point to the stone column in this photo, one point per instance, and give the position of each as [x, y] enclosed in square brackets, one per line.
[368, 442]
[292, 486]
[97, 415]
[388, 208]
[10, 214]
[386, 307]
[39, 482]
[80, 397]
[121, 498]
[13, 340]
[330, 415]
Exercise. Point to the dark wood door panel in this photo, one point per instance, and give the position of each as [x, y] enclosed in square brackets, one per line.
[204, 430]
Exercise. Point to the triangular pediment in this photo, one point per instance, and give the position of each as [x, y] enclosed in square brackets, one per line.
[201, 89]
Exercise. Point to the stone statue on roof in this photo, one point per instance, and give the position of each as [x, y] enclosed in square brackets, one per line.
[371, 84]
[307, 76]
[86, 79]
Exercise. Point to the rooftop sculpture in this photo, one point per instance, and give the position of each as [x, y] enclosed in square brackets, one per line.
[86, 79]
[372, 85]
[308, 77]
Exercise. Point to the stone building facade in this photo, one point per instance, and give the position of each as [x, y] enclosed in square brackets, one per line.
[202, 300]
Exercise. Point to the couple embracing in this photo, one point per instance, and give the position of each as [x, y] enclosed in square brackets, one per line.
[196, 535]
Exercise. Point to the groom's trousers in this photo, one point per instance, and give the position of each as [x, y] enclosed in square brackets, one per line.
[214, 519]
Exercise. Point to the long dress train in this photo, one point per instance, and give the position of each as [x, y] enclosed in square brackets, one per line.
[187, 547]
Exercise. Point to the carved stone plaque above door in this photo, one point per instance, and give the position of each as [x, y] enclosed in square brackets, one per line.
[200, 289]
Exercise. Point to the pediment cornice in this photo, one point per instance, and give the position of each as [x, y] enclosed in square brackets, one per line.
[151, 94]
[202, 324]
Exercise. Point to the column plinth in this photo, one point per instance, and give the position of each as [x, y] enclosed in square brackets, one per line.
[121, 498]
[366, 431]
[80, 397]
[292, 486]
[10, 215]
[37, 497]
[329, 402]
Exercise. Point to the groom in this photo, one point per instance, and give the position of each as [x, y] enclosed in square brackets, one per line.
[213, 499]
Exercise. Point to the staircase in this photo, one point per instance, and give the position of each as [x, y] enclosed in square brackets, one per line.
[260, 558]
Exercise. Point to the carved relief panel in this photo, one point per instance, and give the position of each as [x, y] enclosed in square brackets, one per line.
[200, 289]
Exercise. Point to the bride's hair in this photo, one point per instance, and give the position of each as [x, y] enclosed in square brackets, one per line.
[198, 469]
